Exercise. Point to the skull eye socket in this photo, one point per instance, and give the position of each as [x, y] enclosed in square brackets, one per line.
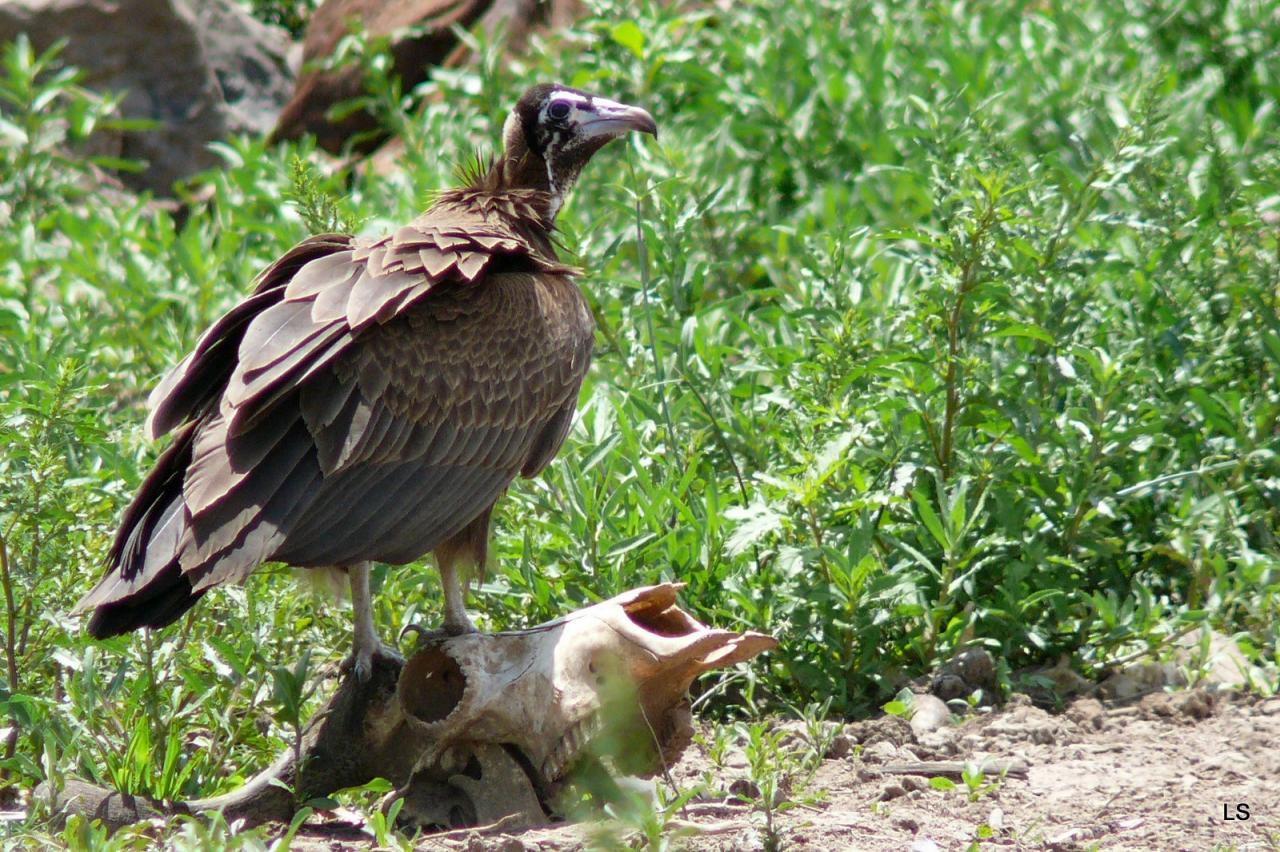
[559, 110]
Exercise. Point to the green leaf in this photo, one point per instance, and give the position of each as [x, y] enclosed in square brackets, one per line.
[1271, 341]
[755, 523]
[930, 518]
[1022, 329]
[630, 36]
[938, 782]
[895, 708]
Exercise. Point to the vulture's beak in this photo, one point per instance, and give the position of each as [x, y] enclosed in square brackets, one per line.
[614, 119]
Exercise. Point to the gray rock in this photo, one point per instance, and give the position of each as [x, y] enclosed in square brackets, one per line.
[880, 752]
[201, 69]
[1218, 662]
[930, 713]
[251, 62]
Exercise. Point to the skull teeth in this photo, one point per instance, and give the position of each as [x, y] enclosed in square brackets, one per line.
[569, 746]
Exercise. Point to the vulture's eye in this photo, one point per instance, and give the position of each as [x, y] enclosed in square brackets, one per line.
[559, 110]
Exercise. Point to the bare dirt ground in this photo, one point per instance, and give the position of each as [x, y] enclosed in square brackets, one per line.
[1170, 771]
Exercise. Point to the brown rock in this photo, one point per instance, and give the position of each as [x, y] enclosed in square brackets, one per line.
[1088, 713]
[430, 43]
[893, 729]
[969, 670]
[841, 746]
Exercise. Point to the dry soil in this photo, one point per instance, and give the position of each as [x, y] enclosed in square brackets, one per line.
[1170, 771]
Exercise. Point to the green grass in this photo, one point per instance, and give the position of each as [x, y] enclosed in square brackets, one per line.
[945, 321]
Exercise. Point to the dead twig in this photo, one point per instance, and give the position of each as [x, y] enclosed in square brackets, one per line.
[1014, 768]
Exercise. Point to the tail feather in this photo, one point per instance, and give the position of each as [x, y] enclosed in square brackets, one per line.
[144, 586]
[158, 604]
[147, 583]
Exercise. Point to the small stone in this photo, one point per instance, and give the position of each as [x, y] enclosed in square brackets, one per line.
[906, 823]
[1197, 704]
[976, 666]
[880, 752]
[940, 743]
[892, 790]
[841, 747]
[1088, 713]
[971, 670]
[930, 714]
[744, 789]
[949, 687]
[914, 783]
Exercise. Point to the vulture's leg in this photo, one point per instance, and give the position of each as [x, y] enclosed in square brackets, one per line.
[366, 644]
[456, 620]
[468, 548]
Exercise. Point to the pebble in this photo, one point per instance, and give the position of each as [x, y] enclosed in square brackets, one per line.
[880, 752]
[906, 823]
[841, 747]
[892, 790]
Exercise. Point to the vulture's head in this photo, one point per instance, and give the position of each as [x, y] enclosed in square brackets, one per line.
[554, 130]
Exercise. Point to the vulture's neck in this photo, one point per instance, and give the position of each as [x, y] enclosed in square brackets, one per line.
[520, 169]
[515, 191]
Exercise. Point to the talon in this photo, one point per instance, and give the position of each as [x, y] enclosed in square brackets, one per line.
[417, 630]
[361, 661]
[435, 634]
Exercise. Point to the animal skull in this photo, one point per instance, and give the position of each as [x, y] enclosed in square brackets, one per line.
[506, 715]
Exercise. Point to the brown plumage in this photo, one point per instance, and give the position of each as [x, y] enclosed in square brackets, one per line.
[371, 399]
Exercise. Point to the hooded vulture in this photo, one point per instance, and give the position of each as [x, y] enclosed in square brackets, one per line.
[372, 398]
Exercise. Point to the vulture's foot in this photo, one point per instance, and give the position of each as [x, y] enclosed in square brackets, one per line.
[361, 660]
[436, 634]
[458, 624]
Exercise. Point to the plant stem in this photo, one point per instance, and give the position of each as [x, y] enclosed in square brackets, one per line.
[11, 645]
[642, 257]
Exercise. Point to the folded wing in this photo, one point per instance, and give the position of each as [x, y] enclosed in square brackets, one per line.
[369, 399]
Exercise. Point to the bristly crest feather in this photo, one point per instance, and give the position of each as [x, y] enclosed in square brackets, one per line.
[472, 172]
